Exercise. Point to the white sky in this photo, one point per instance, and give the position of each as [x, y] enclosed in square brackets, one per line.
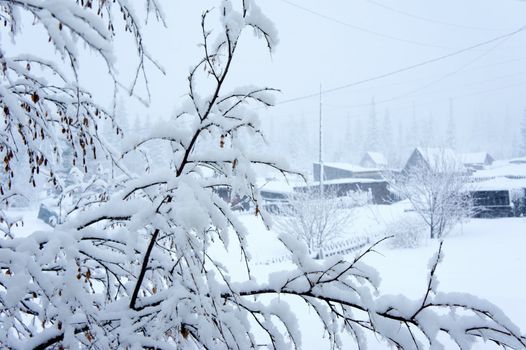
[339, 42]
[316, 50]
[326, 49]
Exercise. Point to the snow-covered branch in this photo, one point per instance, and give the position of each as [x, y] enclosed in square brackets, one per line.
[136, 268]
[42, 100]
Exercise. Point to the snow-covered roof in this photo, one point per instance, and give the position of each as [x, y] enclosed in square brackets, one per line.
[474, 157]
[503, 169]
[521, 160]
[441, 159]
[275, 186]
[344, 181]
[498, 183]
[348, 166]
[377, 157]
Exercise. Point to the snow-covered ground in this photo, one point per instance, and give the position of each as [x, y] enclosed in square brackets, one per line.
[483, 257]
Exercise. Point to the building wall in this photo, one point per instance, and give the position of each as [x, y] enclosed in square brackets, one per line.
[330, 173]
[379, 190]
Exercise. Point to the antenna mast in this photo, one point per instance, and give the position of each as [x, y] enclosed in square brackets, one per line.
[321, 149]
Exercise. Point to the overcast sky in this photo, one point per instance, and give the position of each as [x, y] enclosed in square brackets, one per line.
[335, 43]
[341, 42]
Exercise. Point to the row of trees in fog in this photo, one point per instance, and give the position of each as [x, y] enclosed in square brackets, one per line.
[382, 131]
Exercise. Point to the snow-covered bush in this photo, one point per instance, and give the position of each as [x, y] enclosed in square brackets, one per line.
[518, 201]
[318, 220]
[353, 199]
[135, 270]
[409, 231]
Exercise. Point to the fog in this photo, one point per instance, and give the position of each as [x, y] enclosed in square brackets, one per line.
[360, 51]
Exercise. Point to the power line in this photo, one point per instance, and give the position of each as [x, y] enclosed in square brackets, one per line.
[493, 64]
[426, 19]
[473, 94]
[392, 99]
[406, 82]
[363, 29]
[448, 75]
[421, 104]
[407, 68]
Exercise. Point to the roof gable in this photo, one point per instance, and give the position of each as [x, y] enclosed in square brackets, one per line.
[437, 159]
[376, 158]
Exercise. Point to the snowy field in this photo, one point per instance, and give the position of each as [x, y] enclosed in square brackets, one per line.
[481, 257]
[484, 257]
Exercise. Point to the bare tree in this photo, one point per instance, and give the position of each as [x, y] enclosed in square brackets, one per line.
[436, 185]
[317, 220]
[135, 271]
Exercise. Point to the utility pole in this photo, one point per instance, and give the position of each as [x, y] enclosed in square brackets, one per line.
[321, 149]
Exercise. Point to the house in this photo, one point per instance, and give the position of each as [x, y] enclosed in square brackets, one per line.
[344, 177]
[491, 203]
[336, 171]
[498, 197]
[377, 189]
[476, 160]
[373, 160]
[490, 186]
[439, 160]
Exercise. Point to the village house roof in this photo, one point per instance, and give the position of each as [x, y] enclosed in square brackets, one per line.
[438, 159]
[482, 158]
[376, 158]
